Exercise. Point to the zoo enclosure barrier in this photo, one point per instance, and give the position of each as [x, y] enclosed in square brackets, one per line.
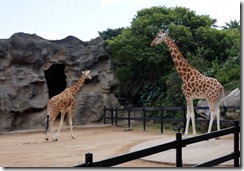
[178, 144]
[112, 114]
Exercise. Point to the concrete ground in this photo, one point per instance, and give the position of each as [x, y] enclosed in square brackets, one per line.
[192, 154]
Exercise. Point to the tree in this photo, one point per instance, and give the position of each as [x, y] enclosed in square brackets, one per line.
[147, 74]
[232, 25]
[110, 33]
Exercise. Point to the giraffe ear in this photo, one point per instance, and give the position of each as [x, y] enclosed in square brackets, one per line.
[83, 72]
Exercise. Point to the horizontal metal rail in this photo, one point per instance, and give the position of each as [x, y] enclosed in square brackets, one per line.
[178, 144]
[131, 156]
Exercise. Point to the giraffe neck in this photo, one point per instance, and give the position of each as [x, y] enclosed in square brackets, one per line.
[76, 87]
[183, 68]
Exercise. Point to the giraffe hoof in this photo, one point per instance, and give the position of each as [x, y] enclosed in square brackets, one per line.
[217, 138]
[73, 137]
[55, 139]
[46, 139]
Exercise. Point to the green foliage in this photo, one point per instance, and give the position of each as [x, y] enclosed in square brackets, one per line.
[110, 33]
[147, 74]
[233, 24]
[228, 73]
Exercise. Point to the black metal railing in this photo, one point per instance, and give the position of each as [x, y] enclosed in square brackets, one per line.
[112, 115]
[178, 144]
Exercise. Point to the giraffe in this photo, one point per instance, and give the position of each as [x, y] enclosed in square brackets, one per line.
[194, 84]
[63, 103]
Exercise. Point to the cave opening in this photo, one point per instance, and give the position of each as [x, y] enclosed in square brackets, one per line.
[56, 79]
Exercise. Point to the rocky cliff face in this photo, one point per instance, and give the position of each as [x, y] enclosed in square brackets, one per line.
[33, 69]
[232, 98]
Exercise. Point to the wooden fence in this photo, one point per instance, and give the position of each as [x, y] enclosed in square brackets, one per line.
[178, 144]
[112, 115]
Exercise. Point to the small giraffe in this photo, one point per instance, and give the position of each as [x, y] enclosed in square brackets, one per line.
[63, 103]
[194, 84]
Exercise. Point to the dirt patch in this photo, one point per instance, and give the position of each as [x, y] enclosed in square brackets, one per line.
[29, 148]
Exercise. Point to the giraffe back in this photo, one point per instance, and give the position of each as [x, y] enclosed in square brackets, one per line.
[59, 103]
[199, 86]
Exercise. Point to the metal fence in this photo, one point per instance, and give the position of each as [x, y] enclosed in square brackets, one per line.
[178, 144]
[112, 115]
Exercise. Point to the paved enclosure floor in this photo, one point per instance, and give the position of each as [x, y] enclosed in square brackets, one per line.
[192, 154]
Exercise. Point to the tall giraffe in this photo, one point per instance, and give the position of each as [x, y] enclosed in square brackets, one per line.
[63, 103]
[194, 84]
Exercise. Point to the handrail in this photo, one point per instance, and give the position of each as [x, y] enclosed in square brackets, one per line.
[178, 144]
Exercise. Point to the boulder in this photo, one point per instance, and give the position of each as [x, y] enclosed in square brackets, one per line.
[232, 98]
[33, 69]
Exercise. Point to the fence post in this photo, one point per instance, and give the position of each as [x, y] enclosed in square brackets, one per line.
[104, 115]
[112, 115]
[128, 117]
[236, 144]
[144, 119]
[88, 159]
[116, 116]
[178, 149]
[162, 120]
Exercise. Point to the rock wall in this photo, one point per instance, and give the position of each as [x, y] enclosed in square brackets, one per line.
[232, 98]
[27, 79]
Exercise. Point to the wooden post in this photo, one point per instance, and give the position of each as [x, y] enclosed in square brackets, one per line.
[89, 159]
[179, 150]
[236, 144]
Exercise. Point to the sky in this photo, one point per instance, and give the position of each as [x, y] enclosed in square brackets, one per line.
[57, 19]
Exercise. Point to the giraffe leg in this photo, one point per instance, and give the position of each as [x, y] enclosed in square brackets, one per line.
[60, 125]
[212, 116]
[193, 123]
[190, 116]
[187, 124]
[210, 123]
[48, 134]
[218, 118]
[51, 132]
[47, 127]
[71, 110]
[218, 122]
[71, 128]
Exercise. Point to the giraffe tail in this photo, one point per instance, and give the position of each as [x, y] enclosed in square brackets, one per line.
[223, 99]
[47, 124]
[47, 119]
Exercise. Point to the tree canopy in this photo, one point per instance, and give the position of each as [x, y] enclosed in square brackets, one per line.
[147, 74]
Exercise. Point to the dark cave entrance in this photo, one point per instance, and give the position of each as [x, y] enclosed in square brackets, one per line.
[56, 79]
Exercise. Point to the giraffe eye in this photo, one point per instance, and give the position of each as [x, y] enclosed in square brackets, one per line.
[159, 37]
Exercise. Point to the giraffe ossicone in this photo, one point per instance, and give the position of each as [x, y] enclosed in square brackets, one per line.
[194, 84]
[63, 103]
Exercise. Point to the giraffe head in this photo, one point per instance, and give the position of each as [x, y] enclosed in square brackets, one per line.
[86, 74]
[161, 36]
